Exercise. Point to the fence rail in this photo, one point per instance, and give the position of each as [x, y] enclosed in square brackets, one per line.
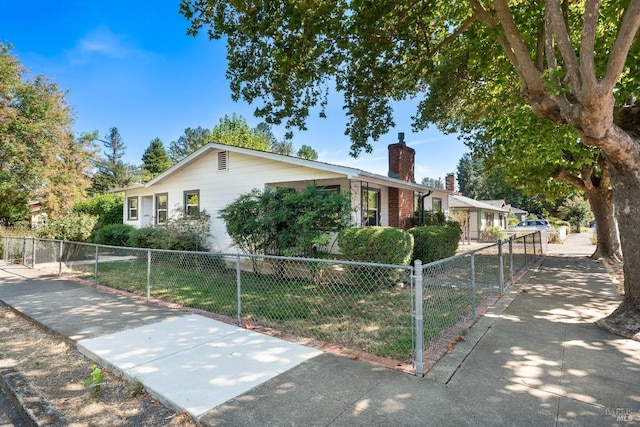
[390, 311]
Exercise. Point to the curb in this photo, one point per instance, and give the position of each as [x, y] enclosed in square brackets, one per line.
[29, 403]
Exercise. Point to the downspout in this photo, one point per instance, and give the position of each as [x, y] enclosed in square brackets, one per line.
[422, 197]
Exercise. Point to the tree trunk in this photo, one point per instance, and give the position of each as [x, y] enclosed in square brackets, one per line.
[608, 246]
[625, 178]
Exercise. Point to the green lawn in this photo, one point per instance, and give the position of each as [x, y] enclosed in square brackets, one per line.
[374, 320]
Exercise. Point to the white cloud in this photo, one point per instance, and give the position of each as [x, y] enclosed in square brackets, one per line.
[101, 41]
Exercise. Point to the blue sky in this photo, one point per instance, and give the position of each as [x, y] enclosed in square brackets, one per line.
[131, 65]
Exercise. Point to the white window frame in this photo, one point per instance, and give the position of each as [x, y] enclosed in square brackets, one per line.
[159, 210]
[187, 195]
[131, 208]
[366, 209]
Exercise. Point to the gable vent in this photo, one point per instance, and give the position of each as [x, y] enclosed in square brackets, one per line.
[222, 160]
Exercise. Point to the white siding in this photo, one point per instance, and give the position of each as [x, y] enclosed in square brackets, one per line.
[219, 188]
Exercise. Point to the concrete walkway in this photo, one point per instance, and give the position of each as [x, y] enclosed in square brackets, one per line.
[536, 359]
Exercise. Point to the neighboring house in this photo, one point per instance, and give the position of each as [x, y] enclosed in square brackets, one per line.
[217, 174]
[519, 213]
[476, 216]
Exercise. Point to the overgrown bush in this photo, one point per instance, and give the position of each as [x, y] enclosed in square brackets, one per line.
[435, 242]
[492, 234]
[384, 245]
[106, 208]
[73, 227]
[285, 221]
[180, 234]
[141, 237]
[114, 235]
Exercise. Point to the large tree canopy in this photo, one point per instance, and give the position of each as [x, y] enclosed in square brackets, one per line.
[40, 159]
[570, 58]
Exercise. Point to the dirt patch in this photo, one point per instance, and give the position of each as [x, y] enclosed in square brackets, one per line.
[58, 371]
[617, 275]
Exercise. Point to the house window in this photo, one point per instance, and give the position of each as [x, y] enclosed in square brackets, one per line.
[162, 203]
[191, 203]
[436, 204]
[223, 163]
[370, 207]
[488, 217]
[132, 208]
[331, 189]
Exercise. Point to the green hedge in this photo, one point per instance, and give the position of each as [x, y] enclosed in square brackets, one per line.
[114, 234]
[383, 245]
[432, 243]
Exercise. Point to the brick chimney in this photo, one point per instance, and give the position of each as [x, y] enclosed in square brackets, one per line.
[401, 166]
[450, 182]
[401, 160]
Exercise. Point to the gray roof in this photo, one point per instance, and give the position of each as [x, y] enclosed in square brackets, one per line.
[350, 173]
[458, 201]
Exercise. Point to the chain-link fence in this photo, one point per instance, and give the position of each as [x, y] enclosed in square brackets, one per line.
[362, 306]
[453, 289]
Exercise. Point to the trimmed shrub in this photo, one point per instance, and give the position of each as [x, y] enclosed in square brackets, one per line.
[114, 234]
[435, 242]
[384, 245]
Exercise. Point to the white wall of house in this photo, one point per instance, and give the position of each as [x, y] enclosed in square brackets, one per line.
[218, 188]
[479, 221]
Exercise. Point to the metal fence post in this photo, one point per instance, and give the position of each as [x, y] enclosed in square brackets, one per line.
[510, 260]
[24, 251]
[60, 249]
[473, 285]
[148, 275]
[417, 270]
[33, 253]
[239, 290]
[524, 239]
[500, 267]
[535, 253]
[96, 268]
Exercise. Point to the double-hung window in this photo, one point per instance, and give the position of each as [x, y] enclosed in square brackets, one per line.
[370, 206]
[436, 204]
[132, 208]
[162, 205]
[191, 203]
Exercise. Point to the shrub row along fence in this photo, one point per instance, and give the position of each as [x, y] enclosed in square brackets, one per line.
[390, 311]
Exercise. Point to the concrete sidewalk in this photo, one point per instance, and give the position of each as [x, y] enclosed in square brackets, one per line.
[535, 359]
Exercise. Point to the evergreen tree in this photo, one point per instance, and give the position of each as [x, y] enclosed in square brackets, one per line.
[114, 148]
[154, 160]
[112, 172]
[306, 152]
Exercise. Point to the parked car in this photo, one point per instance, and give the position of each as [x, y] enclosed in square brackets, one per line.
[534, 223]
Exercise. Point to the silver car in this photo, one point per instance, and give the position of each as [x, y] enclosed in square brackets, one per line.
[535, 223]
